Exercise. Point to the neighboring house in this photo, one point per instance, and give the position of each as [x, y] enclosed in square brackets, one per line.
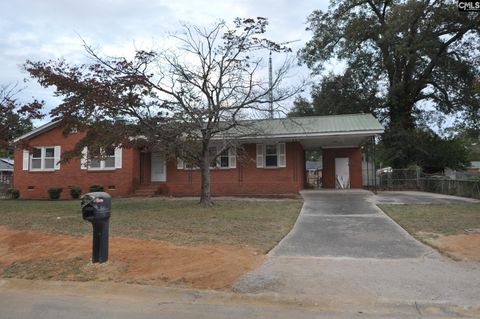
[6, 171]
[474, 166]
[471, 172]
[274, 163]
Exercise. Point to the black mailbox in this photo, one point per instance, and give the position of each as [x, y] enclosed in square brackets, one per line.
[96, 208]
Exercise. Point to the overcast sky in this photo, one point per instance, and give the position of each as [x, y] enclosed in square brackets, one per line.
[50, 29]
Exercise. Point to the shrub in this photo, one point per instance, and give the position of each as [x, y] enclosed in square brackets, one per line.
[95, 188]
[13, 193]
[54, 192]
[75, 192]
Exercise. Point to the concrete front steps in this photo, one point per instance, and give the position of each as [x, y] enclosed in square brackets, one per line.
[146, 190]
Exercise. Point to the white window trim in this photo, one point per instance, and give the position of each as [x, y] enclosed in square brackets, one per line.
[232, 159]
[232, 162]
[56, 159]
[117, 161]
[261, 155]
[101, 168]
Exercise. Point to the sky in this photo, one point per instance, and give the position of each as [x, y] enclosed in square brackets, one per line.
[52, 29]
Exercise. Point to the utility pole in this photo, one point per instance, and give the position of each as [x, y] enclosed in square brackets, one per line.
[270, 79]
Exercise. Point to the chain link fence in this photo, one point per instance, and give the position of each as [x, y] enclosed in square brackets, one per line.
[463, 188]
[5, 183]
[414, 179]
[399, 179]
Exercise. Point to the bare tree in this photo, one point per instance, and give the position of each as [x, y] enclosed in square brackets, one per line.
[176, 100]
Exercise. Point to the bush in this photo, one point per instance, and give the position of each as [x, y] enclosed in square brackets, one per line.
[95, 188]
[75, 192]
[13, 193]
[54, 192]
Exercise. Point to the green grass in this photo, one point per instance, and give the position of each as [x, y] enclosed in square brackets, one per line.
[260, 224]
[444, 219]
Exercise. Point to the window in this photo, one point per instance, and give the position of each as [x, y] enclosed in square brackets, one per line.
[43, 158]
[226, 159]
[271, 155]
[223, 160]
[212, 152]
[36, 159]
[109, 158]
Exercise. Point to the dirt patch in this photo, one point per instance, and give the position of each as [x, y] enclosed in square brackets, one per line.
[40, 255]
[461, 247]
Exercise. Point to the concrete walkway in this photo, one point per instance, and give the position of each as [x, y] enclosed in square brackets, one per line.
[343, 246]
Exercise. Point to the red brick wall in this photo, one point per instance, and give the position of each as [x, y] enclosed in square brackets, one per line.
[329, 155]
[246, 179]
[70, 174]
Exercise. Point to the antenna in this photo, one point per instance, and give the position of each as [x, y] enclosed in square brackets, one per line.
[270, 78]
[270, 85]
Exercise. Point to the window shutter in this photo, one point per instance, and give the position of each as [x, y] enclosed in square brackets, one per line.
[84, 159]
[232, 157]
[118, 157]
[179, 163]
[260, 155]
[57, 156]
[282, 158]
[26, 160]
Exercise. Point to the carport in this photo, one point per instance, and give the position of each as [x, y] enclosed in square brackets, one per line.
[339, 137]
[341, 140]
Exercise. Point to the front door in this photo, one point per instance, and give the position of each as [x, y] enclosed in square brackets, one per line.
[342, 172]
[158, 168]
[144, 168]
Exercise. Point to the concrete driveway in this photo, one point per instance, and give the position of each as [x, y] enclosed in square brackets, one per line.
[412, 197]
[347, 224]
[344, 247]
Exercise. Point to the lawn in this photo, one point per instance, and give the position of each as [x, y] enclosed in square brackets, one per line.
[442, 219]
[256, 223]
[452, 229]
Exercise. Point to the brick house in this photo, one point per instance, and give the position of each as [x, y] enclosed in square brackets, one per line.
[274, 164]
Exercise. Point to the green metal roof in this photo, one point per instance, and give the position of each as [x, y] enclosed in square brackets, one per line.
[312, 125]
[284, 127]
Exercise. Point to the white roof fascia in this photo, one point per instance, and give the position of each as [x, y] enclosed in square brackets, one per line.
[311, 135]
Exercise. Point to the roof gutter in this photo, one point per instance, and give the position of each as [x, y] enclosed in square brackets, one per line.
[309, 135]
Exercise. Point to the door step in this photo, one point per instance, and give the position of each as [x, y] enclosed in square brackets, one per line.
[146, 191]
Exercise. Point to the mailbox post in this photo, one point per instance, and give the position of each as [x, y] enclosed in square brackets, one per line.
[96, 207]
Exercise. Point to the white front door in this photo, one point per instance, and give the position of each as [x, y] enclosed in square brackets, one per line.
[158, 168]
[342, 172]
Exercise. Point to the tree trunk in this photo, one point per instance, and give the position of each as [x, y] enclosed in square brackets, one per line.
[205, 195]
[401, 105]
[399, 137]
